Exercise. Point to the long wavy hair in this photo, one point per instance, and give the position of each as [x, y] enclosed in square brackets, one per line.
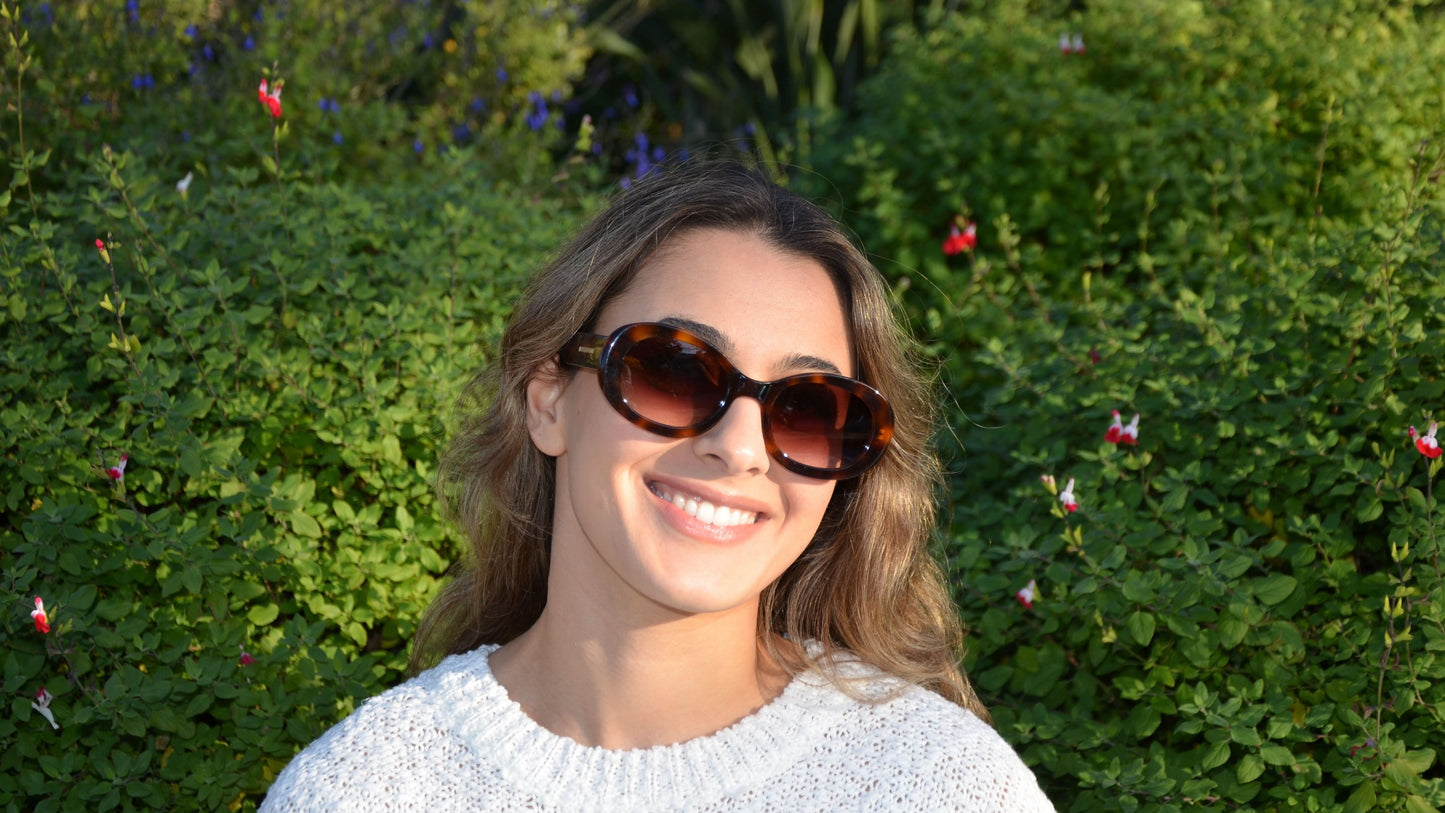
[866, 584]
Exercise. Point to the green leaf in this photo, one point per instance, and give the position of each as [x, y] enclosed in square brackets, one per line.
[304, 524]
[1216, 755]
[1245, 735]
[1369, 508]
[191, 578]
[1275, 588]
[1249, 768]
[1419, 760]
[1141, 627]
[1276, 754]
[263, 614]
[1231, 630]
[1362, 800]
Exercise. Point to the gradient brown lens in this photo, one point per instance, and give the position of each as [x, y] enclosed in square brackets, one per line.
[672, 382]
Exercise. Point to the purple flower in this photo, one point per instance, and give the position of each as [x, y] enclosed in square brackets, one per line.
[191, 31]
[418, 147]
[629, 95]
[208, 53]
[45, 12]
[249, 44]
[539, 115]
[132, 10]
[336, 137]
[501, 75]
[478, 105]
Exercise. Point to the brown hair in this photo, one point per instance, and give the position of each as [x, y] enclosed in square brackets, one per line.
[866, 584]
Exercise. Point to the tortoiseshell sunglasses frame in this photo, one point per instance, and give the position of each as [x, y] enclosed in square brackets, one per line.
[605, 353]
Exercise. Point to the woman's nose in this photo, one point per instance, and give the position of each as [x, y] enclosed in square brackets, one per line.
[736, 441]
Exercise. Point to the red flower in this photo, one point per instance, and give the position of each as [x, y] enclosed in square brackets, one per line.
[246, 659]
[1067, 497]
[1026, 594]
[1116, 430]
[272, 100]
[1071, 44]
[1119, 434]
[960, 240]
[42, 621]
[1130, 435]
[117, 472]
[1427, 444]
[104, 254]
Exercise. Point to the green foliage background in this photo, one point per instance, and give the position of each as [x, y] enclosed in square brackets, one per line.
[1226, 217]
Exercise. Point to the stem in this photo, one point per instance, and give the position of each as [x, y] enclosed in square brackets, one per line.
[21, 62]
[1320, 164]
[1434, 543]
[119, 324]
[281, 190]
[136, 218]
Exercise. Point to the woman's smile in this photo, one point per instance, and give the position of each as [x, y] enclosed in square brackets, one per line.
[702, 509]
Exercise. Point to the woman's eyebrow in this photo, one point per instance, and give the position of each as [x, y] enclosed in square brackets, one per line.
[711, 335]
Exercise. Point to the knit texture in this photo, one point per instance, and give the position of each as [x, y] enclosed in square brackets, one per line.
[451, 739]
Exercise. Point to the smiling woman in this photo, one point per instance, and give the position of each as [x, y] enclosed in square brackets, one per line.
[698, 493]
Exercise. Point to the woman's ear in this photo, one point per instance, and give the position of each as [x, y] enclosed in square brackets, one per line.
[544, 409]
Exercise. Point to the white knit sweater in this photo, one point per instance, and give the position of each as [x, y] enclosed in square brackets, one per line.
[451, 739]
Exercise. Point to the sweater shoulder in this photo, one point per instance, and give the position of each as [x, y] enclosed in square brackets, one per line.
[390, 741]
[941, 755]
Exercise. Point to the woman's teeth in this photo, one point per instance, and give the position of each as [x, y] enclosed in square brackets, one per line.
[704, 511]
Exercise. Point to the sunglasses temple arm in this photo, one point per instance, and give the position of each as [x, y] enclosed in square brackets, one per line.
[584, 350]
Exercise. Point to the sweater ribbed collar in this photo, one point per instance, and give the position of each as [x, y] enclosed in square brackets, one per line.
[559, 771]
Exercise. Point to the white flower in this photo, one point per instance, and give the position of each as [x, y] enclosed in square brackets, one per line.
[184, 185]
[41, 704]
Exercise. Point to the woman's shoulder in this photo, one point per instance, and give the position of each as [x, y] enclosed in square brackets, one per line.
[389, 741]
[941, 755]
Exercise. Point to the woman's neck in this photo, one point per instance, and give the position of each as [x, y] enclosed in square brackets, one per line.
[602, 684]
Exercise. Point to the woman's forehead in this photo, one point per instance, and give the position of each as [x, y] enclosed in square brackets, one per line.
[744, 294]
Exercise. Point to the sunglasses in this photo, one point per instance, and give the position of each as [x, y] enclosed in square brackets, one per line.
[672, 383]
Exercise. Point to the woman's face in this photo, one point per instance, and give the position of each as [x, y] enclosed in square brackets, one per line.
[619, 539]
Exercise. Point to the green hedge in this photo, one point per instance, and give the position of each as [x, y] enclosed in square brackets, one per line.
[277, 362]
[1229, 219]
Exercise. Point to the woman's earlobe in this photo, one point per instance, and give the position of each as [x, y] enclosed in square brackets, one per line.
[544, 409]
